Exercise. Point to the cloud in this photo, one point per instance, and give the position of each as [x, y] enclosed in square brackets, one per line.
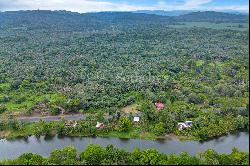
[183, 5]
[71, 5]
[83, 6]
[195, 3]
[200, 5]
[243, 8]
[161, 3]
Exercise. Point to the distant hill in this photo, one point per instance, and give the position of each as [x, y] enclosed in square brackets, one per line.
[122, 16]
[173, 16]
[165, 13]
[65, 19]
[211, 16]
[234, 12]
[182, 12]
[71, 20]
[67, 14]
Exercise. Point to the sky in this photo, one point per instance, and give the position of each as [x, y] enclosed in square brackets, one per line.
[83, 6]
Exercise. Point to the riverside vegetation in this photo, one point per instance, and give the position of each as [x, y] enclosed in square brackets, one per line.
[97, 155]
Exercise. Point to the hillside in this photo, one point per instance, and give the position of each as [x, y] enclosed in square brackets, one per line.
[211, 16]
[77, 20]
[164, 13]
[182, 12]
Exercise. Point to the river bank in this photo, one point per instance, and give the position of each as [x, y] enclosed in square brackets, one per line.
[53, 125]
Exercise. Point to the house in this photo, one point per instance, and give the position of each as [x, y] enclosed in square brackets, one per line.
[181, 126]
[136, 119]
[159, 106]
[136, 116]
[100, 125]
[185, 125]
[189, 123]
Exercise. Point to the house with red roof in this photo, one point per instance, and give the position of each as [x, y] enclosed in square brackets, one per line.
[159, 106]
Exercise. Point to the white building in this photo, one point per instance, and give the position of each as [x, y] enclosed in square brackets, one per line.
[136, 119]
[99, 125]
[189, 123]
[182, 125]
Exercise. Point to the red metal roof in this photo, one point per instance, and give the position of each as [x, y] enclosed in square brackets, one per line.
[159, 105]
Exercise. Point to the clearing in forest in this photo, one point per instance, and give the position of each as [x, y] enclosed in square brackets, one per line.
[130, 108]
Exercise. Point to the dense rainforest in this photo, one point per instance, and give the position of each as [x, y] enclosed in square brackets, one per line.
[98, 63]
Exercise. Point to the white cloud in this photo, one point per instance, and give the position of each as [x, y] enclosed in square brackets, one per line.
[195, 3]
[71, 5]
[243, 8]
[161, 3]
[199, 5]
[103, 5]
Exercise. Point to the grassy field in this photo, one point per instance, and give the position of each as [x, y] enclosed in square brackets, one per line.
[130, 108]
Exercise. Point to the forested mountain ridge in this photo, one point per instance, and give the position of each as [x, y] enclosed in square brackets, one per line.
[102, 62]
[182, 12]
[211, 16]
[100, 17]
[112, 17]
[164, 13]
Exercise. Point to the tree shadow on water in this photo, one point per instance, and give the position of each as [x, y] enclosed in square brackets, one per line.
[49, 138]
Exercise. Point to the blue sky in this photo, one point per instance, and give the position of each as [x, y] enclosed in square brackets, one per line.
[83, 6]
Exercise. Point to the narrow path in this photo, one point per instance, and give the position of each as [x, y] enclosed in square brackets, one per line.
[51, 118]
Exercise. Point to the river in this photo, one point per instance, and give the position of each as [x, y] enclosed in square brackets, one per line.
[12, 148]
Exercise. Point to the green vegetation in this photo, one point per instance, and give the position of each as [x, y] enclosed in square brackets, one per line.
[124, 124]
[231, 26]
[204, 127]
[97, 155]
[100, 63]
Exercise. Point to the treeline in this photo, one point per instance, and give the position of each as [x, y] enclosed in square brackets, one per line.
[97, 155]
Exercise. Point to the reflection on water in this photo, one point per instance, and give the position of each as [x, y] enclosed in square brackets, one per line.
[48, 138]
[60, 136]
[38, 139]
[72, 138]
[161, 140]
[44, 145]
[124, 140]
[26, 139]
